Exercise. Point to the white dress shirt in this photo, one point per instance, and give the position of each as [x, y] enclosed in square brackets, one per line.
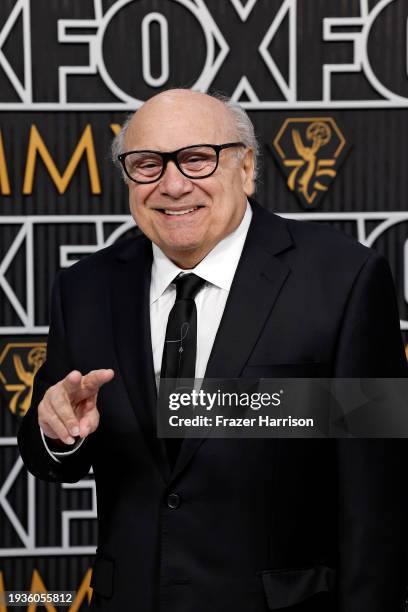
[218, 270]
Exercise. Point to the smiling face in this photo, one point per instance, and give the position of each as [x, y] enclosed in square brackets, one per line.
[186, 217]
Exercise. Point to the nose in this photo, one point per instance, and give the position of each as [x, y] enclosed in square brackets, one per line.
[173, 183]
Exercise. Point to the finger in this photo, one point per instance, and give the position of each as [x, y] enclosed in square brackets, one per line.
[50, 433]
[89, 423]
[72, 382]
[50, 423]
[93, 381]
[88, 416]
[85, 406]
[57, 400]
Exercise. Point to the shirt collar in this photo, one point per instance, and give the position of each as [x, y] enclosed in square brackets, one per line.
[217, 268]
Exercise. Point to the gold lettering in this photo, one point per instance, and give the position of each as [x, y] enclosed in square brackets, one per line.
[61, 181]
[115, 127]
[85, 590]
[4, 179]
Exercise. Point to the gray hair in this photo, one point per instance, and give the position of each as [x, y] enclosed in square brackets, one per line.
[242, 122]
[243, 125]
[117, 143]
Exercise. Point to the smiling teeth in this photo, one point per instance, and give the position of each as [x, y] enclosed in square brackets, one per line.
[179, 212]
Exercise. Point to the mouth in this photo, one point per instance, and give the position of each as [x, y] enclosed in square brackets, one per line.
[179, 212]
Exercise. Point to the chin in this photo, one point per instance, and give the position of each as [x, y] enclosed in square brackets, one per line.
[184, 254]
[181, 243]
[181, 247]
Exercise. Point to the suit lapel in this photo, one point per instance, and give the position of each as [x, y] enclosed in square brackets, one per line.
[130, 292]
[258, 281]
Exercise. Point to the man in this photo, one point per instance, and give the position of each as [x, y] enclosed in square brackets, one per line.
[221, 525]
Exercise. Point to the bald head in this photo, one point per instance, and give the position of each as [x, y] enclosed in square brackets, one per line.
[181, 116]
[178, 118]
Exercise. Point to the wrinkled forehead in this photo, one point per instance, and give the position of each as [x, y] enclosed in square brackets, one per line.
[166, 123]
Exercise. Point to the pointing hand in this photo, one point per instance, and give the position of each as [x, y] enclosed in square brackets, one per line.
[68, 408]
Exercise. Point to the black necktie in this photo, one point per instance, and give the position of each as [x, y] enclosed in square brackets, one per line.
[180, 344]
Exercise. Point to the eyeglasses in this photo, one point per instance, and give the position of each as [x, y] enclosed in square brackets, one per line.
[195, 162]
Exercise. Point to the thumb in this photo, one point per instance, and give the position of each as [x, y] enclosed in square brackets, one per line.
[88, 416]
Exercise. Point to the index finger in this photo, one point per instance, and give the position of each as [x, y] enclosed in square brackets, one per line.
[72, 382]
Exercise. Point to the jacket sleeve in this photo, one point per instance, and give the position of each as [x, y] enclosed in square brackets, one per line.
[372, 473]
[57, 365]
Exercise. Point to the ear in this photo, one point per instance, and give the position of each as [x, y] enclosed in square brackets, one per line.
[247, 170]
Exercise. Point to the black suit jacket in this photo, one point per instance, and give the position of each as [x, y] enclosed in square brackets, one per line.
[282, 524]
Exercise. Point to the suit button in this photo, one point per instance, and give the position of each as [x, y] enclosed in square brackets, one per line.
[173, 501]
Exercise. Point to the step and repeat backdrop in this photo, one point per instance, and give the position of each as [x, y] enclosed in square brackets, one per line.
[326, 85]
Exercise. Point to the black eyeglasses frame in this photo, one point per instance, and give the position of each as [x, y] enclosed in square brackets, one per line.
[172, 156]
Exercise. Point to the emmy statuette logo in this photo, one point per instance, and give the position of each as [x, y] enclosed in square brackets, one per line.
[19, 363]
[309, 151]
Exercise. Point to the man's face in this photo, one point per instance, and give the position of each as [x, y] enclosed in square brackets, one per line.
[212, 207]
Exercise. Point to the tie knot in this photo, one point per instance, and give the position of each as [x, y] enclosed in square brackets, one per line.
[188, 285]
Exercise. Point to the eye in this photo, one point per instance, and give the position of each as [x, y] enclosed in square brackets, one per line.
[194, 159]
[146, 165]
